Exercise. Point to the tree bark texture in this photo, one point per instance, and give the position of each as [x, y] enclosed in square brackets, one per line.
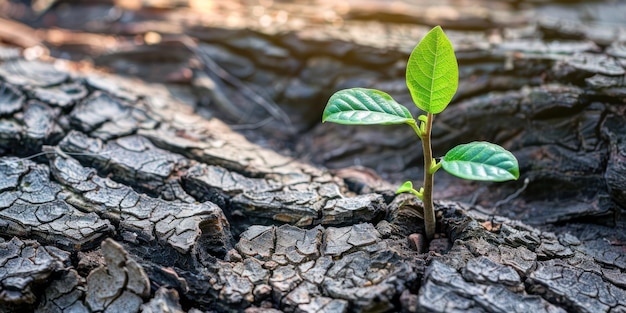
[205, 183]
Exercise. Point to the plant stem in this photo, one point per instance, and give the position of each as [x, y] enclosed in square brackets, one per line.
[416, 129]
[429, 211]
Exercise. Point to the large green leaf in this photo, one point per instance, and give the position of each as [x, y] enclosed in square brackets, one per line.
[481, 161]
[432, 73]
[361, 106]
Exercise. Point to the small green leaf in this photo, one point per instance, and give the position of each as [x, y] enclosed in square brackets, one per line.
[406, 187]
[361, 106]
[481, 161]
[432, 72]
[435, 166]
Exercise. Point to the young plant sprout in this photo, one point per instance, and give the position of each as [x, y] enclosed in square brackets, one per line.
[432, 76]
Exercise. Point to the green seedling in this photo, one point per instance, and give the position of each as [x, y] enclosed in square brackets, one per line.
[432, 77]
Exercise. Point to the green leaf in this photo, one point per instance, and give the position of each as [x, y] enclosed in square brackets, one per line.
[406, 187]
[361, 106]
[432, 73]
[481, 161]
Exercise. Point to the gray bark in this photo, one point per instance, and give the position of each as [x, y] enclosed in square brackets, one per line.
[118, 195]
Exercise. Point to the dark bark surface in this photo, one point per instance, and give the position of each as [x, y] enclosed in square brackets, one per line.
[203, 189]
